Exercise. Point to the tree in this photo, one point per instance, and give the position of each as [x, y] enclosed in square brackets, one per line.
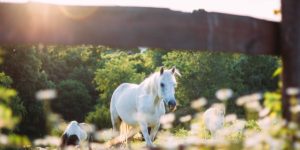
[100, 117]
[15, 102]
[73, 101]
[119, 68]
[203, 73]
[24, 67]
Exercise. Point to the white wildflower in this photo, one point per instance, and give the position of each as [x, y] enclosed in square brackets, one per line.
[264, 112]
[199, 103]
[230, 118]
[167, 125]
[89, 128]
[298, 134]
[223, 132]
[292, 125]
[3, 139]
[241, 101]
[193, 140]
[215, 141]
[185, 118]
[239, 125]
[297, 145]
[265, 123]
[275, 143]
[295, 109]
[248, 98]
[195, 128]
[292, 91]
[40, 148]
[219, 106]
[254, 140]
[254, 106]
[46, 94]
[52, 140]
[256, 96]
[170, 143]
[48, 140]
[70, 147]
[105, 135]
[224, 94]
[168, 118]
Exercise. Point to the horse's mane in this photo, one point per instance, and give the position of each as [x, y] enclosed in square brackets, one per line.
[149, 84]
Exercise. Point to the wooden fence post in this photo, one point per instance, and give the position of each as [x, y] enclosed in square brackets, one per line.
[290, 50]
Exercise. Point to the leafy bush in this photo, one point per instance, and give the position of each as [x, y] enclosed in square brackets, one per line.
[100, 117]
[73, 101]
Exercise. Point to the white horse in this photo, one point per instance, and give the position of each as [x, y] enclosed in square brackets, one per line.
[141, 106]
[214, 118]
[75, 134]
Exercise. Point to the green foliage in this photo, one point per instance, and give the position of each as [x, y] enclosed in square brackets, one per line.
[5, 80]
[85, 77]
[10, 106]
[18, 141]
[181, 132]
[119, 68]
[73, 101]
[273, 102]
[203, 73]
[7, 93]
[6, 117]
[256, 73]
[10, 109]
[100, 117]
[24, 67]
[252, 125]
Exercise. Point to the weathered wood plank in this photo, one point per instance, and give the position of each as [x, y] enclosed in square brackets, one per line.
[130, 27]
[290, 38]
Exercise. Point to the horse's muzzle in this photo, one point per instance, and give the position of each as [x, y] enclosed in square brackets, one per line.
[172, 105]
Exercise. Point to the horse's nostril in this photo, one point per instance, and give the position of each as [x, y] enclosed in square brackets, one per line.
[172, 103]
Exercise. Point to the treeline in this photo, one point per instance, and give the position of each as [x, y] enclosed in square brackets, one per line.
[86, 76]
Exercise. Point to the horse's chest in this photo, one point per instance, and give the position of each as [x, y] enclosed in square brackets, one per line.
[153, 116]
[154, 119]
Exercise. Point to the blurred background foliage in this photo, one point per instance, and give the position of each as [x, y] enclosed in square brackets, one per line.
[85, 77]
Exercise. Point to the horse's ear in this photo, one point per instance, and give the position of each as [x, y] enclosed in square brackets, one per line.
[175, 71]
[161, 70]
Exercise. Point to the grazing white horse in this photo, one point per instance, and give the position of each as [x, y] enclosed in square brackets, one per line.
[141, 105]
[214, 118]
[75, 134]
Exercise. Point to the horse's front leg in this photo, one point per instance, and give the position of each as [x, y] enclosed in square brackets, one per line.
[144, 130]
[154, 131]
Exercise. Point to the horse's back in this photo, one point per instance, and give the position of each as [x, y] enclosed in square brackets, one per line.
[122, 89]
[123, 102]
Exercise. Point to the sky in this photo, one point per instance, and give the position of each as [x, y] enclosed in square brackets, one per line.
[263, 9]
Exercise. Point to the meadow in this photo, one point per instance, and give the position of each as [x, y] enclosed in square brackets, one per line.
[45, 87]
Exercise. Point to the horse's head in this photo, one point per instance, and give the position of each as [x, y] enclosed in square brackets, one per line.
[167, 84]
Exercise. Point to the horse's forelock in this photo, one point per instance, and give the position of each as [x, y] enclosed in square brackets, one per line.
[152, 82]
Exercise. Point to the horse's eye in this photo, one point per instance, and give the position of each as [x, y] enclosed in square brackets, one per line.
[162, 85]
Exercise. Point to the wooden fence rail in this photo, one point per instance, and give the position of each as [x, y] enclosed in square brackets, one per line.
[131, 27]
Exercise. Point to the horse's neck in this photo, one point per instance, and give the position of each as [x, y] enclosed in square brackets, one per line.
[150, 87]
